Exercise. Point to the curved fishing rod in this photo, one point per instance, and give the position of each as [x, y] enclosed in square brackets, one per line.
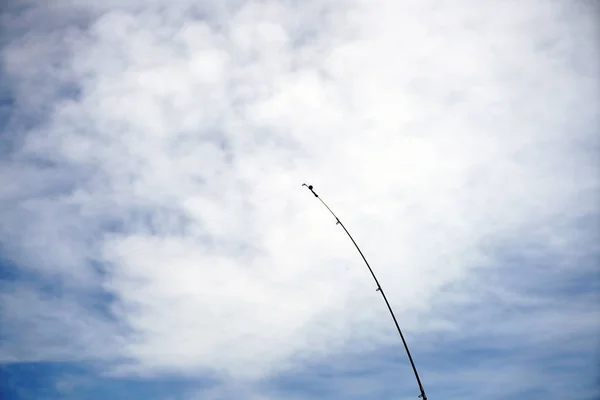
[379, 289]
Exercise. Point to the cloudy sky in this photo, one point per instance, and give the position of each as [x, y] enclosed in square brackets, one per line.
[156, 243]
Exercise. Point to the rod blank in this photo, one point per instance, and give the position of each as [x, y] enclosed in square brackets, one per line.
[379, 289]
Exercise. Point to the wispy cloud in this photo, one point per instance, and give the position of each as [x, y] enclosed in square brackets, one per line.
[153, 218]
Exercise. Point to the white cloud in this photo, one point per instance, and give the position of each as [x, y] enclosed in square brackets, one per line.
[437, 134]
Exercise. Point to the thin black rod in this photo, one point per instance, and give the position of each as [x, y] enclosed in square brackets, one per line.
[379, 289]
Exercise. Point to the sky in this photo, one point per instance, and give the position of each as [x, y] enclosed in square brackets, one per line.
[156, 242]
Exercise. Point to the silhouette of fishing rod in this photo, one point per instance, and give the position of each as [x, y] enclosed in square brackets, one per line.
[379, 289]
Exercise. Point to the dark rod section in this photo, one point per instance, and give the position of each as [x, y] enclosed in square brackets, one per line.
[379, 289]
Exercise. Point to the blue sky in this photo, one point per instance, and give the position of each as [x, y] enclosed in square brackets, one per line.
[156, 243]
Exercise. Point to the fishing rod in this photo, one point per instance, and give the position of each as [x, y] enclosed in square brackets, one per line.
[379, 289]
